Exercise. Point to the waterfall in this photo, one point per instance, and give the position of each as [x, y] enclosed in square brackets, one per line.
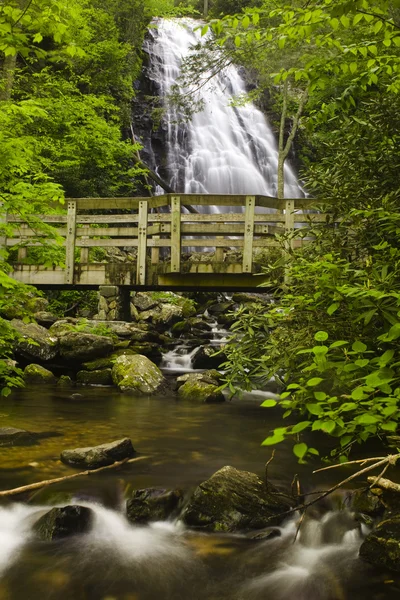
[224, 149]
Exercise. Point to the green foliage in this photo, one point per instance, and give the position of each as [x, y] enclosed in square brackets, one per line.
[66, 303]
[333, 338]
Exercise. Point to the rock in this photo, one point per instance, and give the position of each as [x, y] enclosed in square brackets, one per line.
[98, 456]
[61, 327]
[200, 391]
[204, 358]
[153, 504]
[137, 374]
[212, 377]
[181, 327]
[382, 546]
[246, 297]
[233, 500]
[45, 318]
[37, 374]
[163, 316]
[62, 522]
[367, 502]
[36, 342]
[10, 436]
[95, 377]
[152, 351]
[65, 381]
[108, 291]
[76, 346]
[221, 307]
[144, 301]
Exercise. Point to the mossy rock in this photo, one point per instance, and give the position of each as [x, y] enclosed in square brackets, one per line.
[233, 500]
[382, 546]
[152, 351]
[36, 374]
[93, 457]
[96, 377]
[137, 374]
[153, 504]
[65, 382]
[108, 361]
[200, 391]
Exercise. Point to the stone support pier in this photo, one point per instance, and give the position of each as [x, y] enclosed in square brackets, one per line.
[114, 303]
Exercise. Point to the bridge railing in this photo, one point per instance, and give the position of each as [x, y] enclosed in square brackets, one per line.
[172, 222]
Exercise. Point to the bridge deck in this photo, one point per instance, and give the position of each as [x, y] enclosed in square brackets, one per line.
[164, 245]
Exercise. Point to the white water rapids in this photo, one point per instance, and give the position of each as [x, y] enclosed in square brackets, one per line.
[224, 149]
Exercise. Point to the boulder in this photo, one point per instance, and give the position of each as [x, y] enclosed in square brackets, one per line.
[45, 318]
[213, 377]
[163, 316]
[368, 502]
[10, 436]
[95, 377]
[76, 346]
[198, 390]
[220, 307]
[37, 374]
[247, 297]
[382, 546]
[108, 361]
[35, 341]
[65, 381]
[153, 504]
[137, 374]
[233, 500]
[144, 301]
[204, 358]
[99, 456]
[152, 351]
[62, 522]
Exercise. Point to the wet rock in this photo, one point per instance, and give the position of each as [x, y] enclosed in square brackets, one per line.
[205, 358]
[65, 382]
[95, 377]
[152, 351]
[62, 522]
[107, 362]
[137, 374]
[233, 500]
[163, 316]
[76, 346]
[35, 341]
[99, 456]
[10, 436]
[212, 377]
[153, 504]
[34, 374]
[200, 391]
[367, 502]
[382, 546]
[221, 307]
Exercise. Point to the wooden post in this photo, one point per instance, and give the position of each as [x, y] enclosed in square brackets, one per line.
[70, 242]
[85, 251]
[22, 251]
[248, 234]
[175, 234]
[142, 244]
[155, 252]
[219, 251]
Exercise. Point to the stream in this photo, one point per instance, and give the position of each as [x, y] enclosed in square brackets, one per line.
[185, 444]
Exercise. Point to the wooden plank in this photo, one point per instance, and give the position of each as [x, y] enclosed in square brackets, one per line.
[212, 281]
[142, 246]
[248, 234]
[43, 218]
[84, 234]
[175, 234]
[230, 243]
[107, 231]
[107, 203]
[117, 242]
[289, 222]
[101, 219]
[70, 242]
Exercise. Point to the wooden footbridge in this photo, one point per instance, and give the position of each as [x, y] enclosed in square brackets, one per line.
[168, 241]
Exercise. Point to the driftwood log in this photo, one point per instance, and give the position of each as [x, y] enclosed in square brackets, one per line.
[41, 484]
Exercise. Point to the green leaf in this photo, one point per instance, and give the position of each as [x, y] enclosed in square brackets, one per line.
[255, 18]
[269, 403]
[300, 426]
[321, 336]
[378, 26]
[332, 308]
[314, 381]
[245, 22]
[300, 450]
[334, 23]
[338, 344]
[238, 41]
[359, 347]
[328, 426]
[314, 409]
[273, 439]
[367, 419]
[357, 18]
[320, 350]
[389, 426]
[313, 451]
[361, 362]
[204, 30]
[358, 394]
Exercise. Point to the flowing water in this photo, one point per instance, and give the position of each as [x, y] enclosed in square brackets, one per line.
[224, 149]
[185, 444]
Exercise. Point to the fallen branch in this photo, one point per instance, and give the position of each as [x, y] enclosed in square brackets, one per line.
[40, 484]
[385, 484]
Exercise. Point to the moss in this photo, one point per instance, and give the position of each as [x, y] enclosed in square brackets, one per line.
[65, 381]
[200, 391]
[37, 374]
[96, 377]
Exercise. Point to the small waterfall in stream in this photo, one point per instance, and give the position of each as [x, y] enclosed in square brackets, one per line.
[224, 149]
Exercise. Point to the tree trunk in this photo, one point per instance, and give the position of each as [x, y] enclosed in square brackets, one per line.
[205, 11]
[7, 76]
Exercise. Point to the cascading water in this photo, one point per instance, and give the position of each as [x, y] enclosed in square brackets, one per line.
[224, 149]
